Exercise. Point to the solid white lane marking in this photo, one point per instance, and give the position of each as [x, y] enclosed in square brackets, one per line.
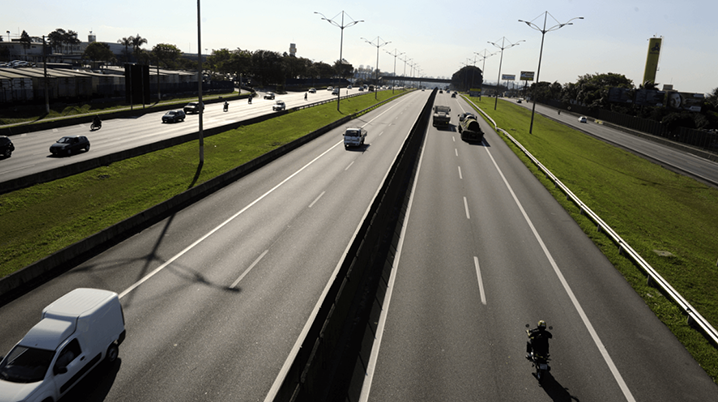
[317, 199]
[371, 365]
[466, 207]
[569, 292]
[249, 269]
[481, 282]
[460, 176]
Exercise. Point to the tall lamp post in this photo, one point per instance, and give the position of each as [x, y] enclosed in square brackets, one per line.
[393, 84]
[378, 45]
[199, 81]
[341, 41]
[543, 33]
[502, 47]
[483, 57]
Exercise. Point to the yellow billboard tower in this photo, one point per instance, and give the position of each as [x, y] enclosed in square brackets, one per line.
[654, 52]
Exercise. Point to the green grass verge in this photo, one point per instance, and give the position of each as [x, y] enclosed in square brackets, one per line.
[652, 208]
[40, 220]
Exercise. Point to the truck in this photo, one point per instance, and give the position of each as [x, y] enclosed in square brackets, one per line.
[469, 128]
[354, 137]
[76, 333]
[441, 116]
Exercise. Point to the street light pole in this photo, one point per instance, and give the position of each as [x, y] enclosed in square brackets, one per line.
[378, 45]
[393, 84]
[199, 84]
[498, 80]
[341, 41]
[483, 68]
[543, 33]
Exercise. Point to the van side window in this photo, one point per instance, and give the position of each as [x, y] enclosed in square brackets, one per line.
[68, 354]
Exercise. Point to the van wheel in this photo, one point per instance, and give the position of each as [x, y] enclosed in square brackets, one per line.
[112, 352]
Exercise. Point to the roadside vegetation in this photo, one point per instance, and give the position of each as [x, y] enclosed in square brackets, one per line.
[40, 220]
[654, 209]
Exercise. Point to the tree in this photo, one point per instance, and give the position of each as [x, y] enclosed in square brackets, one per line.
[467, 77]
[126, 42]
[266, 66]
[57, 39]
[70, 38]
[166, 54]
[97, 51]
[137, 41]
[343, 69]
[593, 89]
[26, 42]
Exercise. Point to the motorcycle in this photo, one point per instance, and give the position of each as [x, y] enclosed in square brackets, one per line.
[95, 126]
[539, 362]
[226, 106]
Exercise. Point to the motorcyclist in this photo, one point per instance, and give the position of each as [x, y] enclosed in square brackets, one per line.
[538, 340]
[305, 96]
[226, 106]
[250, 99]
[96, 122]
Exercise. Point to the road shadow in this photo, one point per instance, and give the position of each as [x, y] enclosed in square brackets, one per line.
[196, 175]
[556, 391]
[360, 148]
[96, 385]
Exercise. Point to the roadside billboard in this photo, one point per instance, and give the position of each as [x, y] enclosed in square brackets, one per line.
[527, 76]
[508, 77]
[685, 101]
[654, 52]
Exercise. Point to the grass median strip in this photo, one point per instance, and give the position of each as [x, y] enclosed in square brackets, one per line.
[668, 218]
[40, 220]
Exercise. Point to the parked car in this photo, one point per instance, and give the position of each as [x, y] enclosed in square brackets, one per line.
[76, 333]
[269, 95]
[173, 116]
[193, 107]
[70, 145]
[279, 105]
[582, 119]
[6, 146]
[312, 90]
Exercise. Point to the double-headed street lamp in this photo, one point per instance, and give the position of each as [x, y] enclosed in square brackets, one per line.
[483, 67]
[543, 32]
[341, 41]
[502, 47]
[393, 84]
[378, 45]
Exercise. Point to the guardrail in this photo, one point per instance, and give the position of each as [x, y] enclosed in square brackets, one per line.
[694, 318]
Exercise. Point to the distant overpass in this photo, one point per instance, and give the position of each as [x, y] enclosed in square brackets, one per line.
[387, 78]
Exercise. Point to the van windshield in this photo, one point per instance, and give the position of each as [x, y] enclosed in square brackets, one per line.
[26, 365]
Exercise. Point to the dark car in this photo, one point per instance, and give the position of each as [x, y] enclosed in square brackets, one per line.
[6, 146]
[269, 95]
[193, 107]
[70, 145]
[173, 116]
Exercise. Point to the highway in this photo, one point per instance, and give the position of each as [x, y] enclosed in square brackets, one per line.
[484, 251]
[32, 150]
[215, 297]
[667, 156]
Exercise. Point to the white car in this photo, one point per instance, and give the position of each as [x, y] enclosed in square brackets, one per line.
[582, 119]
[279, 105]
[312, 90]
[269, 95]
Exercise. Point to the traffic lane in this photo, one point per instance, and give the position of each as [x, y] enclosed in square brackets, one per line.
[32, 153]
[636, 340]
[141, 254]
[674, 157]
[533, 275]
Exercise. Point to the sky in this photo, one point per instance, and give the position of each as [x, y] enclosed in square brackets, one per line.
[438, 37]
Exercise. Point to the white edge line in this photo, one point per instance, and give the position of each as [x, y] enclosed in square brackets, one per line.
[373, 357]
[298, 344]
[614, 370]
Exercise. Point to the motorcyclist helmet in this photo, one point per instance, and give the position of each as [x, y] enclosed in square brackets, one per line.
[542, 324]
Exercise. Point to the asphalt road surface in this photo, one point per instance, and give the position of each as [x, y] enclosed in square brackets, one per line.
[486, 249]
[668, 156]
[32, 150]
[215, 297]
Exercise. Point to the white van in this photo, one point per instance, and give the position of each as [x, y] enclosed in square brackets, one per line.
[77, 331]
